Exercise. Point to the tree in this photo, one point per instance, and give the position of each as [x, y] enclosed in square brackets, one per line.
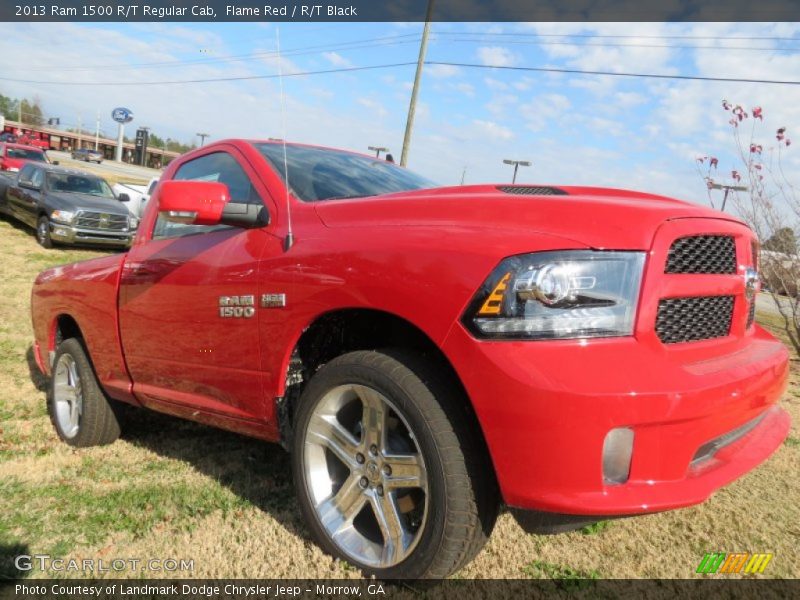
[784, 240]
[770, 206]
[32, 112]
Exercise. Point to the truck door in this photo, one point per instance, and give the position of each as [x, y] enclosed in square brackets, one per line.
[185, 351]
[23, 198]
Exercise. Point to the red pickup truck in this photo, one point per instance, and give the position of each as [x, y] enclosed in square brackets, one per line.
[426, 353]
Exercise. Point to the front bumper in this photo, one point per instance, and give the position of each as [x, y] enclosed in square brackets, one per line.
[67, 234]
[545, 409]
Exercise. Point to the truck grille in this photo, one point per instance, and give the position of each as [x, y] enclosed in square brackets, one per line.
[103, 221]
[702, 254]
[694, 319]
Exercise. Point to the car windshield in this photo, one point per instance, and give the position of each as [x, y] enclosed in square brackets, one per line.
[324, 174]
[25, 154]
[79, 184]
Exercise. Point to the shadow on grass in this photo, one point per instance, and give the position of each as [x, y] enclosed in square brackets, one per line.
[256, 471]
[8, 554]
[38, 379]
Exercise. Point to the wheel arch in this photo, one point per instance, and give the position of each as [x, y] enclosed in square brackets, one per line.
[338, 332]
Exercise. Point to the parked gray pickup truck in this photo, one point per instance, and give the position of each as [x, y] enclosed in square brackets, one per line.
[66, 206]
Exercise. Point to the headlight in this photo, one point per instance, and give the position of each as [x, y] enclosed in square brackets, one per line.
[65, 216]
[133, 222]
[558, 295]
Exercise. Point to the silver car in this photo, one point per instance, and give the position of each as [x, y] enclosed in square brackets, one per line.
[88, 155]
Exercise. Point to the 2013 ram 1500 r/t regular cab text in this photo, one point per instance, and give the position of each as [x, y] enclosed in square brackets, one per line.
[425, 353]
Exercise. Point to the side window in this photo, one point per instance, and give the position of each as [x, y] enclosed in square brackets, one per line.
[26, 173]
[220, 167]
[37, 178]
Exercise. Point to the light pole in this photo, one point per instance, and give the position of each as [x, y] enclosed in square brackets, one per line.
[713, 185]
[517, 164]
[202, 137]
[378, 150]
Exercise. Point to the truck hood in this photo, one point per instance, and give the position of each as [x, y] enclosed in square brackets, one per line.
[72, 201]
[595, 217]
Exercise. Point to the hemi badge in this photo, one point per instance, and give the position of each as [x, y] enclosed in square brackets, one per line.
[273, 300]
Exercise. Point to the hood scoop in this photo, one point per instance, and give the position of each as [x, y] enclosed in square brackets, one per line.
[531, 190]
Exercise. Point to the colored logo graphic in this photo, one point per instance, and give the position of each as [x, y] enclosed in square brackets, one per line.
[736, 562]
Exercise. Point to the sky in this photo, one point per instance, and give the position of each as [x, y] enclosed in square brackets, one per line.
[633, 133]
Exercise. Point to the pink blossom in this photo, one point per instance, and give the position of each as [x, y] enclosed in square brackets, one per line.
[714, 162]
[736, 176]
[757, 113]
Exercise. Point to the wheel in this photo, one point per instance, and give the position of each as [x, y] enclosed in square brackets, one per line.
[390, 475]
[79, 410]
[43, 232]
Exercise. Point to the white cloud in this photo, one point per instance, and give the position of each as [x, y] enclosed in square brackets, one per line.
[493, 130]
[466, 89]
[337, 60]
[374, 106]
[442, 71]
[496, 56]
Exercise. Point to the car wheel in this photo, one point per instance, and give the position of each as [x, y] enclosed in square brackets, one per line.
[43, 232]
[78, 408]
[390, 476]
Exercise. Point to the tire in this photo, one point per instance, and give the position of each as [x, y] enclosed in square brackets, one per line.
[79, 410]
[442, 519]
[43, 232]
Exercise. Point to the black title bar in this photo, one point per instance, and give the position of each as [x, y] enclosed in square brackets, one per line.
[398, 10]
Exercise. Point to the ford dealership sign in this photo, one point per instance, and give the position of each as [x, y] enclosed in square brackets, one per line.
[122, 115]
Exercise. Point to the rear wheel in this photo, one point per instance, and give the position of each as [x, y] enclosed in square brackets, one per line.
[383, 470]
[79, 410]
[43, 232]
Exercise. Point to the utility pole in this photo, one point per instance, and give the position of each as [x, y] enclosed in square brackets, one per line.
[202, 137]
[97, 131]
[517, 164]
[713, 185]
[378, 150]
[19, 111]
[80, 131]
[412, 107]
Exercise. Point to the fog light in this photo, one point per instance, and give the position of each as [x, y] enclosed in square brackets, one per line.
[617, 452]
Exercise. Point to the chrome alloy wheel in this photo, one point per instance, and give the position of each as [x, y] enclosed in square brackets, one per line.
[67, 395]
[42, 231]
[365, 475]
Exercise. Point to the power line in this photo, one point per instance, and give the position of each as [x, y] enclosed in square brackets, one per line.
[406, 64]
[451, 37]
[615, 74]
[342, 46]
[627, 36]
[212, 79]
[619, 45]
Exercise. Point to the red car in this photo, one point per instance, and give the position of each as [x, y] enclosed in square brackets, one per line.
[426, 354]
[13, 156]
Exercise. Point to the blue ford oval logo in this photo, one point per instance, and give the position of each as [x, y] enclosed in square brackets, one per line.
[122, 115]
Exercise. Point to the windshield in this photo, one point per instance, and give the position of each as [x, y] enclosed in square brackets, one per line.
[325, 174]
[25, 154]
[79, 184]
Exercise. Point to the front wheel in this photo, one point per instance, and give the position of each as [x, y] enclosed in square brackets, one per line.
[389, 475]
[43, 232]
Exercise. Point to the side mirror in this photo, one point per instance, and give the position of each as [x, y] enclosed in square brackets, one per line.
[30, 186]
[55, 162]
[123, 197]
[207, 203]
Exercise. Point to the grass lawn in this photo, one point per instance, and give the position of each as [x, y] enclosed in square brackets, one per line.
[173, 489]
